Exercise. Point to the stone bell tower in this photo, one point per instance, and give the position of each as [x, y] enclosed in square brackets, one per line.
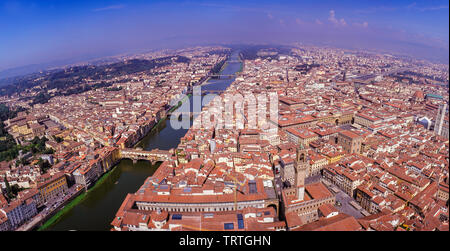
[301, 167]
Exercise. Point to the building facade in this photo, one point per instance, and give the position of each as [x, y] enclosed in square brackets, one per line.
[351, 142]
[50, 188]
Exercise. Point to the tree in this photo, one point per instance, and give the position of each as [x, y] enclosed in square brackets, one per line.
[9, 194]
[8, 188]
[15, 189]
[43, 165]
[24, 161]
[57, 139]
[49, 151]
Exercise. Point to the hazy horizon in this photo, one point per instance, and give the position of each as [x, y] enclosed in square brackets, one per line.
[49, 31]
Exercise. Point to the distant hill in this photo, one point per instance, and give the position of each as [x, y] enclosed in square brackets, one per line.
[7, 76]
[70, 80]
[252, 52]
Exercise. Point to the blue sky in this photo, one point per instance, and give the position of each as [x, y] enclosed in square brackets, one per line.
[34, 32]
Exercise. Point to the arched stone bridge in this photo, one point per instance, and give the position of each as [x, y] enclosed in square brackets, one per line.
[222, 76]
[152, 156]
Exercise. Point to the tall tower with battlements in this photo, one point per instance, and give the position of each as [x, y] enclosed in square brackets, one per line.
[301, 167]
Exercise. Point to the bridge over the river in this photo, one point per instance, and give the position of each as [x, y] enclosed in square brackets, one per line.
[222, 76]
[153, 156]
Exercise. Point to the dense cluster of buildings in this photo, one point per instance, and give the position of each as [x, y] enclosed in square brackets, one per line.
[348, 123]
[348, 120]
[87, 131]
[49, 187]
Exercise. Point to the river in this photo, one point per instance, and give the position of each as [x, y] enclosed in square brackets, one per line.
[100, 205]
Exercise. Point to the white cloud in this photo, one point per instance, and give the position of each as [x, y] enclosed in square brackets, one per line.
[432, 8]
[111, 7]
[411, 5]
[332, 18]
[363, 24]
[429, 8]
